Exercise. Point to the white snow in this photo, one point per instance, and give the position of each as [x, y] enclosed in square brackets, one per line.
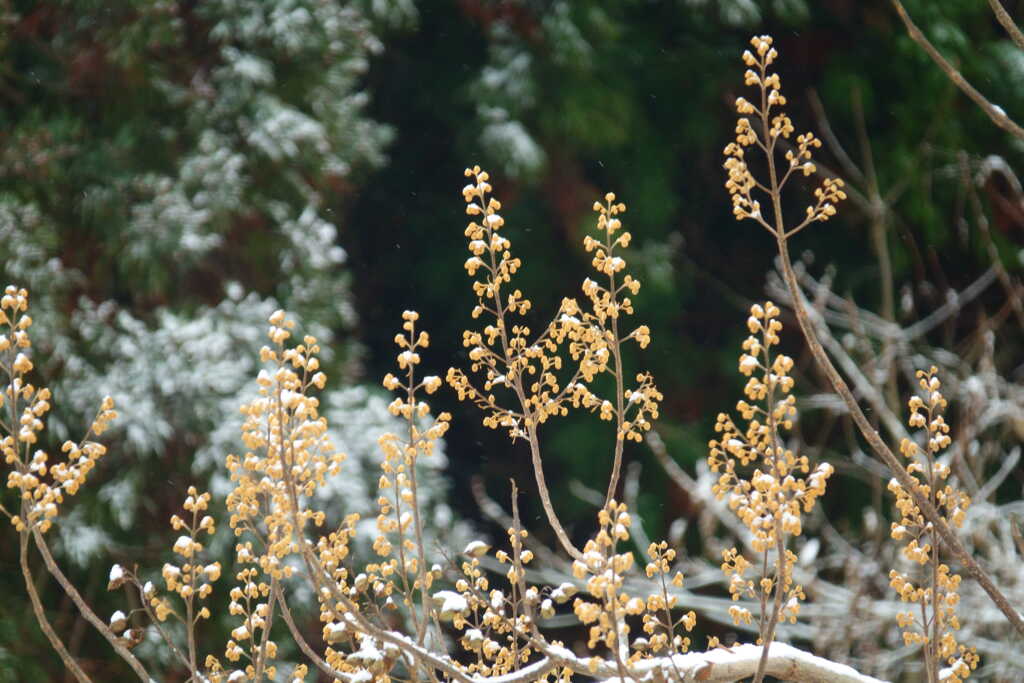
[451, 602]
[182, 545]
[476, 549]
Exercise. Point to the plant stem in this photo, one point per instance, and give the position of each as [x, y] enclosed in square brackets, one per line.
[883, 452]
[44, 623]
[86, 611]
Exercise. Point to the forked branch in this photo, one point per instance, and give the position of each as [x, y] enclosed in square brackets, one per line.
[994, 112]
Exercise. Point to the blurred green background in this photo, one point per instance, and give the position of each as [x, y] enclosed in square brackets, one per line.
[172, 172]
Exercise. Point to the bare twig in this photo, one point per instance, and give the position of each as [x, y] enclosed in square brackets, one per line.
[148, 609]
[1007, 22]
[850, 169]
[494, 512]
[44, 623]
[882, 450]
[84, 609]
[994, 112]
[303, 644]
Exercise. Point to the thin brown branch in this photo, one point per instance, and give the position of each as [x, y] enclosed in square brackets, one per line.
[995, 113]
[850, 169]
[37, 607]
[148, 609]
[1007, 22]
[303, 644]
[494, 512]
[885, 454]
[85, 610]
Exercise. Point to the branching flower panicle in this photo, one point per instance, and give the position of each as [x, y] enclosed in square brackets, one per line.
[400, 527]
[596, 340]
[188, 577]
[502, 351]
[509, 358]
[528, 367]
[600, 333]
[660, 624]
[496, 624]
[23, 407]
[288, 459]
[610, 605]
[771, 125]
[936, 595]
[770, 499]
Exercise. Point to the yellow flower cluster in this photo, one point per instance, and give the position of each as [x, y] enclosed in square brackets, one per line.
[938, 593]
[249, 600]
[290, 453]
[400, 527]
[289, 457]
[192, 578]
[495, 624]
[605, 572]
[598, 337]
[659, 623]
[528, 367]
[42, 485]
[502, 351]
[769, 127]
[771, 499]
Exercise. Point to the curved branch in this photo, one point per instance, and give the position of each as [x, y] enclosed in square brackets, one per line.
[1006, 20]
[44, 623]
[995, 113]
[882, 450]
[303, 644]
[85, 610]
[784, 662]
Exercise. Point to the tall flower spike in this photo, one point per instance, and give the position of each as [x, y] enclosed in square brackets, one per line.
[771, 498]
[595, 341]
[529, 368]
[188, 577]
[600, 335]
[932, 622]
[289, 457]
[497, 625]
[43, 484]
[400, 538]
[764, 125]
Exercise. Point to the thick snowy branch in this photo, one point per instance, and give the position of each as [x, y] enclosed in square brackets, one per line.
[722, 664]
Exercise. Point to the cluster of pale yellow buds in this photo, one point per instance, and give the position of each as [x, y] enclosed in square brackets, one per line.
[658, 621]
[938, 598]
[828, 195]
[502, 351]
[772, 128]
[506, 356]
[802, 155]
[249, 601]
[399, 517]
[282, 425]
[43, 485]
[735, 566]
[594, 336]
[605, 572]
[771, 499]
[489, 249]
[191, 578]
[496, 625]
